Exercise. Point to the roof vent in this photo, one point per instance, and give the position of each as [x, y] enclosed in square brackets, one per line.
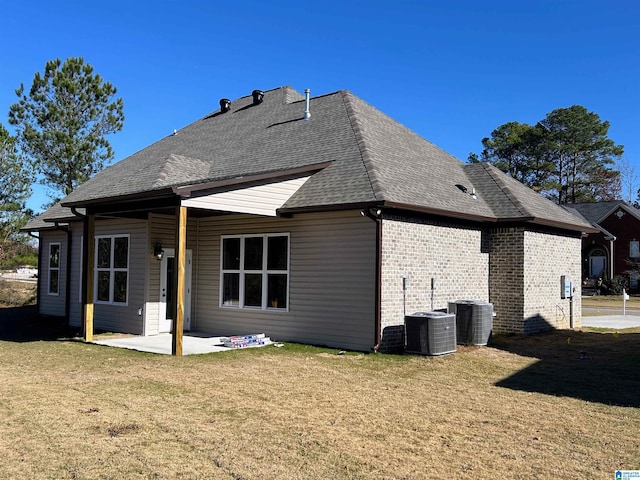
[225, 105]
[307, 112]
[258, 95]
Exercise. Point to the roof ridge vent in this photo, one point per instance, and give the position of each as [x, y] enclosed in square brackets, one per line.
[258, 96]
[225, 105]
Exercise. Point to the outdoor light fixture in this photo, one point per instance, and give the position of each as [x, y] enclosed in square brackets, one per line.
[158, 252]
[372, 214]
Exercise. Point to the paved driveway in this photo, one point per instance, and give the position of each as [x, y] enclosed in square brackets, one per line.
[612, 321]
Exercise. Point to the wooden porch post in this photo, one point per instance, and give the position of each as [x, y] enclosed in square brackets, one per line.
[89, 249]
[179, 280]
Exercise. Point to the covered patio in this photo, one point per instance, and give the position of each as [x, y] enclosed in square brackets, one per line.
[192, 343]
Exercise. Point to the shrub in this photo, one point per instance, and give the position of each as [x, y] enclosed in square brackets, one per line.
[615, 285]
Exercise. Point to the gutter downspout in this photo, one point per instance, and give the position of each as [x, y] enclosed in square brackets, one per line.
[39, 279]
[611, 255]
[378, 296]
[85, 246]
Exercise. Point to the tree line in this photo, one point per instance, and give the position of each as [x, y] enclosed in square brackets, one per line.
[567, 156]
[61, 123]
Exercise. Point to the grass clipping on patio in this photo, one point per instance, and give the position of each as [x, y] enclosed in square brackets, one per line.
[560, 405]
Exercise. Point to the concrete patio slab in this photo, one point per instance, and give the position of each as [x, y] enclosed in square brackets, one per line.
[192, 344]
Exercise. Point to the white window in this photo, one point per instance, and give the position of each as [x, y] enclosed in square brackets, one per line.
[112, 269]
[634, 249]
[54, 268]
[255, 271]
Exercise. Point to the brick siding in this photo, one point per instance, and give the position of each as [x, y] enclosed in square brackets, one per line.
[456, 257]
[515, 268]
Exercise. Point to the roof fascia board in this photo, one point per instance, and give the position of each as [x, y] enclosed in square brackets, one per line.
[440, 212]
[148, 195]
[381, 204]
[285, 212]
[553, 223]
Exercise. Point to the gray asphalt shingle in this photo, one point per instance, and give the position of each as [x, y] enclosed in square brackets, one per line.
[372, 159]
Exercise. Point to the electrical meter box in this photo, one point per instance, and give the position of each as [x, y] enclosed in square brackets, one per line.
[565, 286]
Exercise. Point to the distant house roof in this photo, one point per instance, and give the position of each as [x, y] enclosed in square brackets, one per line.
[596, 212]
[356, 154]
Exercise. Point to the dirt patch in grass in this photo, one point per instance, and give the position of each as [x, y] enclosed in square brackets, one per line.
[524, 408]
[17, 294]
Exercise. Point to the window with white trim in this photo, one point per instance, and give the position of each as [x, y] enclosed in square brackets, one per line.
[54, 268]
[112, 269]
[255, 271]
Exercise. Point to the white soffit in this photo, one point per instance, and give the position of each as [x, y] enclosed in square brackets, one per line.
[258, 200]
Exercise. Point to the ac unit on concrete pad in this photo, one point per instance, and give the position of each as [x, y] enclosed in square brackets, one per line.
[474, 321]
[430, 333]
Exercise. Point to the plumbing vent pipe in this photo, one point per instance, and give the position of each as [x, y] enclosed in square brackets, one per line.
[258, 95]
[307, 113]
[225, 105]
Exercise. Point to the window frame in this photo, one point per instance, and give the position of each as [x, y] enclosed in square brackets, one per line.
[111, 269]
[55, 269]
[634, 248]
[264, 272]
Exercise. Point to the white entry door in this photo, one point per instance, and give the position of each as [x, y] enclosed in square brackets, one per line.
[167, 267]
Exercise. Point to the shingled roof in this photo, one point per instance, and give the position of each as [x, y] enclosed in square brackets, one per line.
[596, 212]
[362, 157]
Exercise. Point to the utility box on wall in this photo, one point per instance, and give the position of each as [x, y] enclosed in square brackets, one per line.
[565, 286]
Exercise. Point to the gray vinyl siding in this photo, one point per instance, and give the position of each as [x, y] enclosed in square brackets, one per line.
[53, 304]
[75, 303]
[162, 228]
[332, 280]
[120, 318]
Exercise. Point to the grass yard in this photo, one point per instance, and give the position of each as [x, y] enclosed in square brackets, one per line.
[610, 301]
[560, 405]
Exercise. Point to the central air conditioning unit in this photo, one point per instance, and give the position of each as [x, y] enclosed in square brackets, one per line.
[474, 321]
[430, 333]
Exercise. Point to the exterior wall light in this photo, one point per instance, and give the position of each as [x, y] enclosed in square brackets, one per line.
[158, 252]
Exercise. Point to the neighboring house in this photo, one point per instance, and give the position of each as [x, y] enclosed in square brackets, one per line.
[610, 251]
[261, 218]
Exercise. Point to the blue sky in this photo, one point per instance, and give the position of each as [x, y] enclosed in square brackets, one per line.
[450, 70]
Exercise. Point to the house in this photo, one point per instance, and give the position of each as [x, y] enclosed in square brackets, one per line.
[316, 220]
[610, 251]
